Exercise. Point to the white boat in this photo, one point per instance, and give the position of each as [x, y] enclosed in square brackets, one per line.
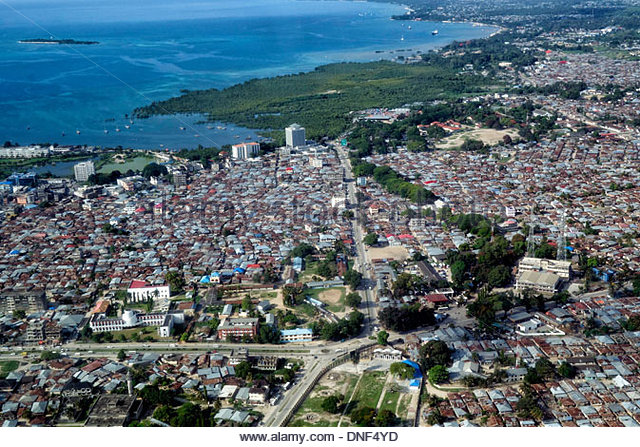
[434, 32]
[117, 129]
[126, 126]
[78, 132]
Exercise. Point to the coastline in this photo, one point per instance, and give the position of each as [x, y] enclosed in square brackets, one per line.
[392, 51]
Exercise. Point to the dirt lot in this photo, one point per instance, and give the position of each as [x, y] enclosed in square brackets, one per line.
[487, 136]
[331, 296]
[311, 413]
[396, 253]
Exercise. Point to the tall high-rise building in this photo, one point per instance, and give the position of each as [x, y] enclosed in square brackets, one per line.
[295, 136]
[83, 170]
[245, 150]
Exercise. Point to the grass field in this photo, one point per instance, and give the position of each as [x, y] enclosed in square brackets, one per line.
[7, 366]
[319, 423]
[390, 401]
[135, 164]
[310, 270]
[369, 389]
[143, 332]
[305, 310]
[312, 404]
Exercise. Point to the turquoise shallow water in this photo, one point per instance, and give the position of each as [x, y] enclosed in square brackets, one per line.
[151, 49]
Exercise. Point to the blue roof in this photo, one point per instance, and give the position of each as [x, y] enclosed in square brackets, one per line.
[417, 373]
[205, 279]
[239, 270]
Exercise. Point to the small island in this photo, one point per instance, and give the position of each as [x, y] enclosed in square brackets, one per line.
[58, 42]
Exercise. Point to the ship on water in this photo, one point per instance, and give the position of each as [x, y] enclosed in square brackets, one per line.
[434, 32]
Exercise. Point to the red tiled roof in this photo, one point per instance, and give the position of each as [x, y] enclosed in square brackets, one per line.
[436, 298]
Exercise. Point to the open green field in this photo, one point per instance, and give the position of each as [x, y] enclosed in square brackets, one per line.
[368, 392]
[264, 295]
[7, 366]
[390, 401]
[310, 269]
[135, 164]
[305, 310]
[144, 332]
[403, 406]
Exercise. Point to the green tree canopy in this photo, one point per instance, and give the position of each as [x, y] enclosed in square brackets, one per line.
[402, 370]
[243, 369]
[48, 355]
[383, 337]
[385, 418]
[353, 300]
[371, 239]
[353, 278]
[363, 416]
[332, 404]
[432, 353]
[153, 170]
[438, 374]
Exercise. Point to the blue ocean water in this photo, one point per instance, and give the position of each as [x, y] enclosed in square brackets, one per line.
[152, 49]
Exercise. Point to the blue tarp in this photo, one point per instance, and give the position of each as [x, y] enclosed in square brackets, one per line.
[417, 373]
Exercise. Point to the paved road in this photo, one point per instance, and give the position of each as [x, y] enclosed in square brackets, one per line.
[362, 263]
[313, 368]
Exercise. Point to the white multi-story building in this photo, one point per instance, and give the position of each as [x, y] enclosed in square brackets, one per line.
[243, 151]
[164, 322]
[83, 170]
[545, 282]
[24, 152]
[510, 211]
[140, 291]
[560, 268]
[295, 136]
